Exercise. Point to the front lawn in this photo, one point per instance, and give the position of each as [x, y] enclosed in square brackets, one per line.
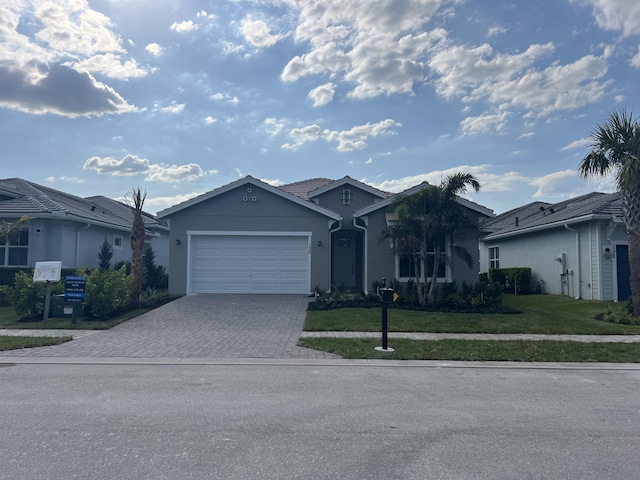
[541, 314]
[9, 319]
[11, 343]
[478, 350]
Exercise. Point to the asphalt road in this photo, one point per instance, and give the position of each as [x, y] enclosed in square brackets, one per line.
[260, 421]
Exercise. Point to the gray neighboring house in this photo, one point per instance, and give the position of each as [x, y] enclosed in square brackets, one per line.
[68, 228]
[251, 237]
[577, 247]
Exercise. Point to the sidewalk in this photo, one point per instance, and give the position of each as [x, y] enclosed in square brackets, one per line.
[77, 334]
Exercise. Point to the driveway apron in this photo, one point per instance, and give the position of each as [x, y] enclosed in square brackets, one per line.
[200, 326]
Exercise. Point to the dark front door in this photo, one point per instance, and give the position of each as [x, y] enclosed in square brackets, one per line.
[345, 264]
[623, 272]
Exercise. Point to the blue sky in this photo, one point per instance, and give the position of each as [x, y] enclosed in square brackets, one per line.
[180, 97]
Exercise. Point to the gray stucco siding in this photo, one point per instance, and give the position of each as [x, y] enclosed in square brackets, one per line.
[230, 212]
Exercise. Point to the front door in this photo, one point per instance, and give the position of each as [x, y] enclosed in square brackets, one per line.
[623, 272]
[344, 264]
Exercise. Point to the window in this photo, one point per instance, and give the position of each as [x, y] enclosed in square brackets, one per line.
[346, 196]
[494, 257]
[117, 242]
[407, 266]
[15, 252]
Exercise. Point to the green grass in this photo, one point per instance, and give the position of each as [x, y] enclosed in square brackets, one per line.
[479, 350]
[541, 314]
[12, 343]
[9, 319]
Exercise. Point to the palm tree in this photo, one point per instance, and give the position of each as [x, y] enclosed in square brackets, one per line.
[137, 242]
[615, 149]
[429, 224]
[9, 229]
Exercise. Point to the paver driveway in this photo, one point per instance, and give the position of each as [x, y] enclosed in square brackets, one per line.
[200, 326]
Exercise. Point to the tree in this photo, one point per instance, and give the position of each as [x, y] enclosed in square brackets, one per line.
[429, 225]
[137, 242]
[9, 229]
[615, 149]
[105, 254]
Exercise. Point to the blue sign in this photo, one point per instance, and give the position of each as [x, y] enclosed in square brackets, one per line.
[74, 288]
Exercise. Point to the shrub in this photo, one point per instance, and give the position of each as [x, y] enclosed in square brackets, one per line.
[28, 297]
[107, 291]
[518, 280]
[622, 313]
[155, 276]
[105, 254]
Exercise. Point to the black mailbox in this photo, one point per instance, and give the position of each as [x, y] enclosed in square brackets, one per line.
[387, 295]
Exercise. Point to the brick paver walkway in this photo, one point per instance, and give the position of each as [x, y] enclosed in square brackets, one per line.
[199, 326]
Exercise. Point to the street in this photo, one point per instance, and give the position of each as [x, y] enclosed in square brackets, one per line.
[266, 421]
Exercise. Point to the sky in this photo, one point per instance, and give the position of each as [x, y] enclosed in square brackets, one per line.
[179, 97]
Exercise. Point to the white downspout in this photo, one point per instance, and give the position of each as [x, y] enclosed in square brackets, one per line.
[78, 243]
[331, 250]
[578, 256]
[365, 280]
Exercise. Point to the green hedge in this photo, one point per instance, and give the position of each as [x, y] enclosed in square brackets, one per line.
[517, 280]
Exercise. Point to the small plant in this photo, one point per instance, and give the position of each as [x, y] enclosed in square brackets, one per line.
[107, 291]
[28, 297]
[105, 254]
[622, 314]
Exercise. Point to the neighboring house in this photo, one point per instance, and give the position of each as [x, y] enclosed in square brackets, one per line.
[577, 247]
[70, 229]
[251, 237]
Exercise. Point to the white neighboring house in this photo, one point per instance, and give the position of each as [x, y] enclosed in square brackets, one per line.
[577, 247]
[70, 229]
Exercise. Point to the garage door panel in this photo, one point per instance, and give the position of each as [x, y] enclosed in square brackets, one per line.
[249, 264]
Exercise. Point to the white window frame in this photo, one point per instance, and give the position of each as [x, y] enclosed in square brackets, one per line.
[115, 242]
[495, 261]
[7, 246]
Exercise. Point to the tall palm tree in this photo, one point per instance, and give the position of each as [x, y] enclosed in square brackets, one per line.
[137, 242]
[615, 149]
[9, 229]
[450, 224]
[429, 223]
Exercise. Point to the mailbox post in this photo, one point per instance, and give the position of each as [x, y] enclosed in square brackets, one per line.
[388, 296]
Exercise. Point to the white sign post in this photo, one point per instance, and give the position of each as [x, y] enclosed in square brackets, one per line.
[47, 272]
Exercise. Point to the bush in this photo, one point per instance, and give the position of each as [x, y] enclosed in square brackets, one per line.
[155, 276]
[517, 280]
[28, 297]
[622, 314]
[107, 291]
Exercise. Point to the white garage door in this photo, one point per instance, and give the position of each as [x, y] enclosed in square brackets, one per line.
[249, 264]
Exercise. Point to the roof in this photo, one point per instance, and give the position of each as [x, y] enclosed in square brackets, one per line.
[20, 197]
[541, 216]
[384, 203]
[302, 189]
[257, 183]
[125, 212]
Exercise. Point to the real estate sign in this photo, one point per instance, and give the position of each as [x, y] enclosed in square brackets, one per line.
[74, 288]
[47, 272]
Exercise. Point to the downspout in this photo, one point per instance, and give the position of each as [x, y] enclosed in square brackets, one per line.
[331, 231]
[579, 282]
[365, 280]
[78, 243]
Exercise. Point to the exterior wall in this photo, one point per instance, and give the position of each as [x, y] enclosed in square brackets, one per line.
[381, 260]
[578, 252]
[332, 200]
[268, 213]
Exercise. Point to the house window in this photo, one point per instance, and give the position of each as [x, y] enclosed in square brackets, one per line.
[407, 266]
[346, 196]
[15, 252]
[117, 242]
[494, 257]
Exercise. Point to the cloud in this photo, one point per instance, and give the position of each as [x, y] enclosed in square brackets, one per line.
[376, 44]
[484, 123]
[274, 126]
[210, 120]
[185, 26]
[475, 74]
[154, 49]
[323, 94]
[156, 204]
[583, 142]
[173, 109]
[70, 41]
[347, 140]
[50, 92]
[496, 30]
[618, 15]
[569, 184]
[258, 33]
[110, 65]
[490, 182]
[132, 165]
[526, 135]
[220, 97]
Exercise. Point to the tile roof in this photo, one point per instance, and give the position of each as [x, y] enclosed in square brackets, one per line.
[540, 215]
[301, 189]
[20, 197]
